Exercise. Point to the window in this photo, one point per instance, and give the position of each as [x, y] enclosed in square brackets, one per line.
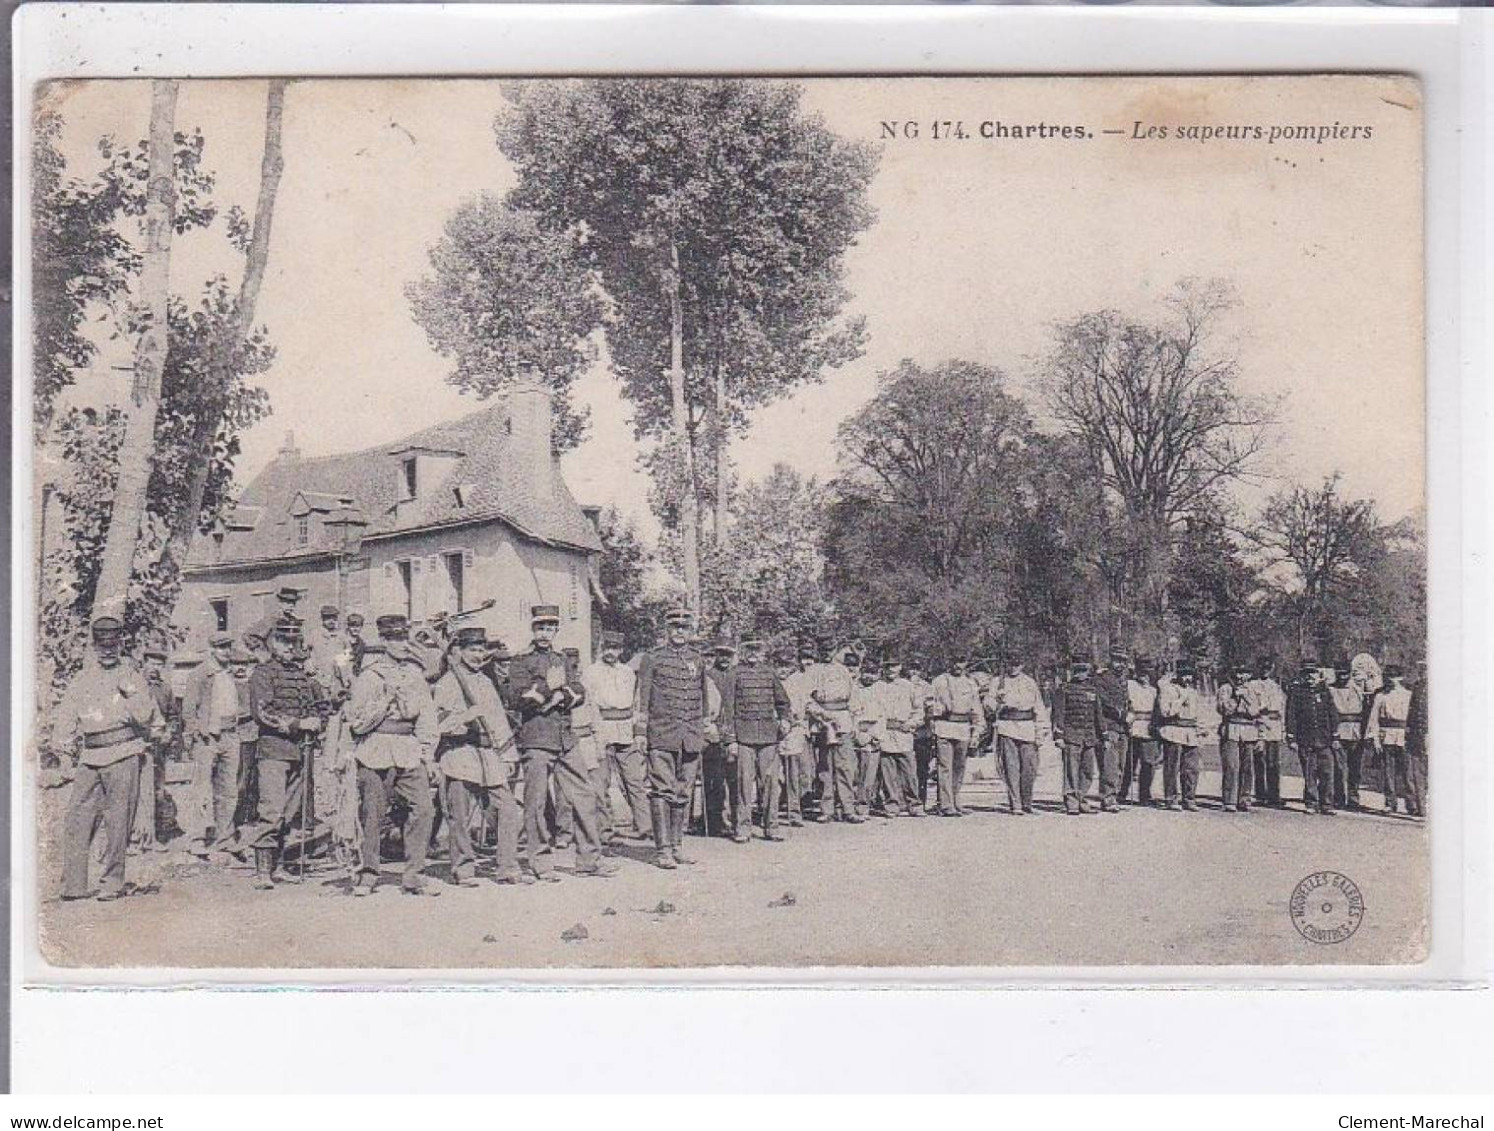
[574, 602]
[407, 580]
[454, 577]
[303, 530]
[410, 480]
[219, 606]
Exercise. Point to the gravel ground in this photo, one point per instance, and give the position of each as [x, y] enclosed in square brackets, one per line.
[1144, 886]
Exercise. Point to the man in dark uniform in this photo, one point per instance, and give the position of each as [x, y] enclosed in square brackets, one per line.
[670, 724]
[1079, 726]
[1416, 745]
[545, 686]
[287, 709]
[755, 713]
[356, 643]
[1110, 686]
[257, 636]
[146, 831]
[1311, 723]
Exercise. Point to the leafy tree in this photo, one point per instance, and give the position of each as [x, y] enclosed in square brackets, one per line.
[507, 297]
[715, 214]
[622, 575]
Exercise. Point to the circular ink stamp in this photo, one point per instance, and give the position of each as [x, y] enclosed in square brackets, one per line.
[1326, 907]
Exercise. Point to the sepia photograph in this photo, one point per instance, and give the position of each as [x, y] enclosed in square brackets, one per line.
[664, 524]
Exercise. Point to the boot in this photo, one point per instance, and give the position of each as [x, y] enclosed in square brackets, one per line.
[677, 833]
[663, 833]
[264, 868]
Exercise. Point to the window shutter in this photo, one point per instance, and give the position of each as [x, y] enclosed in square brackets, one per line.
[436, 586]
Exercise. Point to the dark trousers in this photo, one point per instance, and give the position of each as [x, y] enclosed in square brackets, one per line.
[868, 767]
[1397, 776]
[1329, 770]
[573, 786]
[1416, 784]
[1078, 772]
[1179, 771]
[495, 801]
[629, 767]
[923, 755]
[836, 767]
[281, 785]
[1346, 766]
[1236, 765]
[1348, 761]
[717, 789]
[247, 805]
[899, 781]
[1142, 758]
[1019, 765]
[1112, 753]
[1268, 772]
[794, 773]
[757, 777]
[104, 795]
[952, 755]
[377, 790]
[1307, 763]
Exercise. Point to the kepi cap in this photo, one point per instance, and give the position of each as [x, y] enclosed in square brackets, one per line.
[544, 614]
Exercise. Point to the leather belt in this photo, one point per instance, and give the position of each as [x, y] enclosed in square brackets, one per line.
[1397, 724]
[1178, 721]
[396, 726]
[962, 718]
[616, 714]
[114, 736]
[1016, 715]
[837, 705]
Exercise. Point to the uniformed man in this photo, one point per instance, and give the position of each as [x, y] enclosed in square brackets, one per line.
[592, 758]
[546, 687]
[670, 724]
[902, 714]
[1386, 732]
[1015, 700]
[356, 642]
[104, 722]
[246, 787]
[1238, 707]
[287, 709]
[1311, 724]
[158, 751]
[866, 710]
[210, 710]
[1110, 686]
[330, 656]
[478, 760]
[1416, 745]
[829, 711]
[257, 636]
[1271, 728]
[1177, 727]
[716, 773]
[1144, 751]
[393, 723]
[795, 751]
[612, 687]
[755, 713]
[956, 711]
[1348, 735]
[923, 737]
[1079, 726]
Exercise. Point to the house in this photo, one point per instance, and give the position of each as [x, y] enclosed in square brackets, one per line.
[441, 521]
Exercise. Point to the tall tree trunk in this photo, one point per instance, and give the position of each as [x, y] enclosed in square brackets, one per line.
[680, 415]
[129, 512]
[722, 467]
[185, 521]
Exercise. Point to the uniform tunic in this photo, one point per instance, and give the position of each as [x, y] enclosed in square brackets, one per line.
[1141, 701]
[867, 710]
[672, 700]
[830, 687]
[1016, 701]
[280, 695]
[957, 706]
[110, 710]
[391, 714]
[612, 689]
[546, 686]
[1271, 704]
[1388, 717]
[1348, 707]
[481, 753]
[753, 702]
[902, 713]
[1177, 713]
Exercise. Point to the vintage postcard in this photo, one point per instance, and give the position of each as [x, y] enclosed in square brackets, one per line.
[661, 523]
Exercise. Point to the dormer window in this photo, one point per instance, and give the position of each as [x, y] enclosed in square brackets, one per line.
[303, 530]
[411, 482]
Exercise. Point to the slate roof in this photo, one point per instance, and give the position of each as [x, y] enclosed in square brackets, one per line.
[495, 488]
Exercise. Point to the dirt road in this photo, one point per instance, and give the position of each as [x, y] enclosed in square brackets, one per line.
[1143, 886]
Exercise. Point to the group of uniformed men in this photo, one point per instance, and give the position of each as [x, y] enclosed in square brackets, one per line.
[502, 749]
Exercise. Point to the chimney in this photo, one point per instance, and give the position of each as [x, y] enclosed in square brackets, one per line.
[288, 449]
[530, 422]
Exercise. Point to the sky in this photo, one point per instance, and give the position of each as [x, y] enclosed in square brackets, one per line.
[979, 248]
